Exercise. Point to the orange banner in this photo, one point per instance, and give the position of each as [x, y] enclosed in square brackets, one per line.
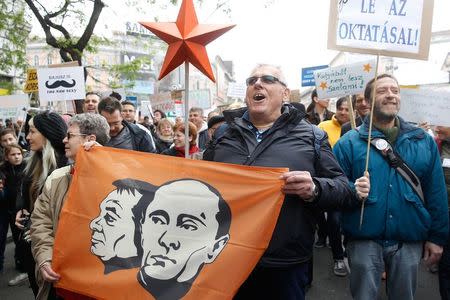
[144, 226]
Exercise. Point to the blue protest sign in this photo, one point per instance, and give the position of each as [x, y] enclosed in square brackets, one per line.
[308, 75]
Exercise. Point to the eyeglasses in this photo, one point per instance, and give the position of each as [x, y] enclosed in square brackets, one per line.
[71, 134]
[267, 79]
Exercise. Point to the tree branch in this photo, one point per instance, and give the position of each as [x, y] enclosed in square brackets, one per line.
[63, 9]
[64, 55]
[50, 39]
[83, 41]
[60, 28]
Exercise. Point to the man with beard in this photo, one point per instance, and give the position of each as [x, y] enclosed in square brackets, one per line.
[178, 239]
[403, 215]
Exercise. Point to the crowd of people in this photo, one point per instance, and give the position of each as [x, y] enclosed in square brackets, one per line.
[384, 217]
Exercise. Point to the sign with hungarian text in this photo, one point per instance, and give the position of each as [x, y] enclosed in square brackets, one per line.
[60, 84]
[344, 80]
[429, 103]
[386, 27]
[176, 233]
[31, 85]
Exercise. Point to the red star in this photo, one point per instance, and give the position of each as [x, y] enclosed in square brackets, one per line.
[187, 40]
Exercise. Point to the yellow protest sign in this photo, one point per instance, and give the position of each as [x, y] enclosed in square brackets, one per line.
[31, 84]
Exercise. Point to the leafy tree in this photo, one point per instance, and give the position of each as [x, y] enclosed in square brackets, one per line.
[12, 42]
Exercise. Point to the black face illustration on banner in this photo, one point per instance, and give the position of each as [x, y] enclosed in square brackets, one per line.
[114, 238]
[185, 226]
[59, 83]
[170, 232]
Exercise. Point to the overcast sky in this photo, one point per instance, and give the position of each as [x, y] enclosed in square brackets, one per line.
[289, 33]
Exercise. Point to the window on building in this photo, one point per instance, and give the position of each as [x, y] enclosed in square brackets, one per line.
[49, 59]
[36, 60]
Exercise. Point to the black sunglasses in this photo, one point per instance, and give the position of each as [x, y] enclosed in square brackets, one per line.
[71, 134]
[267, 79]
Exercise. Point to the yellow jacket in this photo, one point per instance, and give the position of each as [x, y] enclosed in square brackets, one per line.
[333, 129]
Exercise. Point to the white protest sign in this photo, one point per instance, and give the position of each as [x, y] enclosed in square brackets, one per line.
[146, 109]
[236, 90]
[59, 84]
[426, 104]
[344, 80]
[12, 106]
[385, 27]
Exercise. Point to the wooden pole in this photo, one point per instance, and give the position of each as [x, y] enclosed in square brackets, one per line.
[186, 109]
[351, 112]
[374, 88]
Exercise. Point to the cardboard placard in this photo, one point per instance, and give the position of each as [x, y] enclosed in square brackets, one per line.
[383, 27]
[344, 80]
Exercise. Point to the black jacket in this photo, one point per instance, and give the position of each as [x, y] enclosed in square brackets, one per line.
[294, 143]
[203, 139]
[162, 145]
[348, 126]
[13, 182]
[141, 140]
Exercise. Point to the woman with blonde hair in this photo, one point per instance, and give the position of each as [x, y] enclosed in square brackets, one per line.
[164, 132]
[46, 133]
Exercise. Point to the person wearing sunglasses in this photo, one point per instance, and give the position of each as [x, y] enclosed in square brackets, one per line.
[86, 127]
[272, 133]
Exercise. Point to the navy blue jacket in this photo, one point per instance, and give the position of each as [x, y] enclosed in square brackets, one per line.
[294, 143]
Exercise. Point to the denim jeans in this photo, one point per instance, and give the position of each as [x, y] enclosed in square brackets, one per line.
[368, 259]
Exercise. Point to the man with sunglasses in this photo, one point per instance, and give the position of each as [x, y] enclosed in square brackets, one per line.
[269, 132]
[86, 127]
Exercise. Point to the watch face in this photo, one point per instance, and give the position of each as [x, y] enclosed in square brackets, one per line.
[381, 144]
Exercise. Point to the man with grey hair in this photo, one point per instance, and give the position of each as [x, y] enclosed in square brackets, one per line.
[83, 128]
[196, 116]
[271, 133]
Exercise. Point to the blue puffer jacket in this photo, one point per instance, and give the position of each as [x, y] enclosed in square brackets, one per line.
[393, 211]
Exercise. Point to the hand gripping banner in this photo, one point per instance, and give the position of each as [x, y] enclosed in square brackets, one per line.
[143, 226]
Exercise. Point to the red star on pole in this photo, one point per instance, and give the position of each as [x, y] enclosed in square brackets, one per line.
[187, 40]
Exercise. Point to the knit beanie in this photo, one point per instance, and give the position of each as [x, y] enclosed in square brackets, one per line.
[52, 126]
[214, 120]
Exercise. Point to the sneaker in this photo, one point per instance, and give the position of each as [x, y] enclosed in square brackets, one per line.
[339, 268]
[320, 243]
[22, 277]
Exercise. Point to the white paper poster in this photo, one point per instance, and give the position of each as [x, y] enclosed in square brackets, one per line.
[344, 80]
[60, 84]
[13, 106]
[426, 104]
[385, 27]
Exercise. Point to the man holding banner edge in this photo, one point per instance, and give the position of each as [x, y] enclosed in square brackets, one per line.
[396, 222]
[270, 133]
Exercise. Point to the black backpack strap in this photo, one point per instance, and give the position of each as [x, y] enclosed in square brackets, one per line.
[396, 162]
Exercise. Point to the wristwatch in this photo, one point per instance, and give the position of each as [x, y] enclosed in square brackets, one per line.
[315, 191]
